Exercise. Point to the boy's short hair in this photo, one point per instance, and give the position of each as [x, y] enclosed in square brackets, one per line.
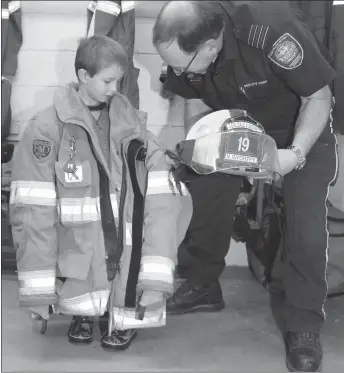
[99, 52]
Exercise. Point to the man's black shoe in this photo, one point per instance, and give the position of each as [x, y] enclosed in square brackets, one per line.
[304, 352]
[192, 299]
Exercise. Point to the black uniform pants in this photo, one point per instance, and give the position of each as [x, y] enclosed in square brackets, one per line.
[304, 267]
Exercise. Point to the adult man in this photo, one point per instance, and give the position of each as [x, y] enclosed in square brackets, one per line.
[261, 57]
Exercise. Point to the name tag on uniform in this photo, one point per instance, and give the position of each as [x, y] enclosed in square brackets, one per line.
[255, 84]
[74, 177]
[255, 90]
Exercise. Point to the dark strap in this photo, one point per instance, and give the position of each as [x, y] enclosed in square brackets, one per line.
[108, 223]
[136, 152]
[111, 240]
[6, 111]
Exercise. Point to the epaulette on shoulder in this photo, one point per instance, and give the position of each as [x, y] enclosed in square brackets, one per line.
[253, 35]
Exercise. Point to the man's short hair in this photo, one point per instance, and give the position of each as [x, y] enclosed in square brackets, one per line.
[190, 29]
[99, 52]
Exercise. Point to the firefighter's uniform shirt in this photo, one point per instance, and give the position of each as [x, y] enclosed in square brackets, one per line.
[269, 59]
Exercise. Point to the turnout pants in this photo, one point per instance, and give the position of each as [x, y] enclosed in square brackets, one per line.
[305, 257]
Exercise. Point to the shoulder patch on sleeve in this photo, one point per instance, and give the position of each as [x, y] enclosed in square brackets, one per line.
[41, 149]
[287, 52]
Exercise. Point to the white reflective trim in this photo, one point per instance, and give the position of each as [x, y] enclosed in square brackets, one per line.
[5, 14]
[340, 2]
[90, 304]
[114, 205]
[156, 268]
[36, 282]
[74, 210]
[109, 7]
[33, 193]
[158, 260]
[36, 275]
[160, 182]
[156, 272]
[36, 291]
[128, 233]
[13, 6]
[124, 319]
[41, 282]
[127, 5]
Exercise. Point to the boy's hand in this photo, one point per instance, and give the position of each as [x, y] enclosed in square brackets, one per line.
[150, 297]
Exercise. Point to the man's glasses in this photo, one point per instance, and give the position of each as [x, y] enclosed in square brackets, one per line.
[179, 70]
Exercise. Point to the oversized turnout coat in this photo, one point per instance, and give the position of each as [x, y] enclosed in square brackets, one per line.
[63, 257]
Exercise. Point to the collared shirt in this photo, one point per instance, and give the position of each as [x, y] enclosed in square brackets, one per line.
[270, 58]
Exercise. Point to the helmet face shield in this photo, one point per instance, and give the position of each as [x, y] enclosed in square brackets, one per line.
[238, 147]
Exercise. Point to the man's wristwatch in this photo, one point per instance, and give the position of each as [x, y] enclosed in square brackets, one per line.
[301, 159]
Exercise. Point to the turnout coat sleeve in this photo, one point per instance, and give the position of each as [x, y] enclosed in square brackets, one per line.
[33, 212]
[168, 210]
[11, 36]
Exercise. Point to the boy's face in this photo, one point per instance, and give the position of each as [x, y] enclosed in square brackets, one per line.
[103, 85]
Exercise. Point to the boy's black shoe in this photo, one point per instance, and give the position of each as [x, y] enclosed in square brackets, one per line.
[119, 339]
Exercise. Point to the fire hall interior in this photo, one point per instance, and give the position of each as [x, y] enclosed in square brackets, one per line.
[243, 337]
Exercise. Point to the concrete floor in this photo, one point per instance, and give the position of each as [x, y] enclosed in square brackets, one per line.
[241, 338]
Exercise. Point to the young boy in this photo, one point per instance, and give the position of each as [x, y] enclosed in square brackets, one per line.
[87, 176]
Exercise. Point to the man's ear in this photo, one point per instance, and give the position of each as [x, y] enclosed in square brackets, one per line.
[83, 75]
[211, 45]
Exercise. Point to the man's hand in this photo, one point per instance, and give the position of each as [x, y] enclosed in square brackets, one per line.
[150, 297]
[287, 160]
